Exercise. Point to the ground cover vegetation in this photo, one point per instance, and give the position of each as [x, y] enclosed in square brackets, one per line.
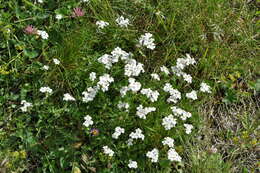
[129, 86]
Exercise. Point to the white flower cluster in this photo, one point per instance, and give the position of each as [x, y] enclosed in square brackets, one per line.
[123, 105]
[152, 95]
[68, 97]
[44, 35]
[58, 16]
[142, 112]
[116, 54]
[132, 164]
[47, 90]
[155, 76]
[205, 88]
[25, 106]
[180, 112]
[90, 94]
[188, 128]
[134, 85]
[175, 95]
[105, 81]
[46, 67]
[165, 70]
[173, 155]
[56, 61]
[138, 134]
[88, 121]
[108, 151]
[122, 22]
[153, 155]
[192, 95]
[101, 24]
[92, 76]
[133, 68]
[181, 64]
[168, 141]
[118, 132]
[169, 122]
[147, 40]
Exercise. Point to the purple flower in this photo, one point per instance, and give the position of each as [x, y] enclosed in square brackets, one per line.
[30, 30]
[94, 132]
[78, 12]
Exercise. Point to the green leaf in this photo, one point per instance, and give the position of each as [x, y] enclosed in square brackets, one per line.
[30, 54]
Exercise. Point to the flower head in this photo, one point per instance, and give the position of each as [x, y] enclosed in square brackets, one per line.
[88, 121]
[30, 30]
[122, 22]
[153, 155]
[78, 12]
[147, 40]
[132, 164]
[108, 151]
[68, 97]
[94, 132]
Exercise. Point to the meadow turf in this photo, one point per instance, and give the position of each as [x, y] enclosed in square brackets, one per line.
[221, 35]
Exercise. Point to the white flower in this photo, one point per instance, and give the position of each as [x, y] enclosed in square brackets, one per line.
[130, 142]
[56, 61]
[133, 68]
[92, 76]
[106, 60]
[123, 91]
[152, 95]
[90, 94]
[169, 122]
[188, 128]
[187, 77]
[205, 88]
[168, 141]
[88, 121]
[102, 24]
[137, 134]
[108, 151]
[40, 1]
[123, 105]
[46, 90]
[178, 72]
[25, 106]
[155, 76]
[119, 53]
[46, 67]
[192, 95]
[132, 164]
[175, 95]
[147, 40]
[133, 85]
[68, 97]
[183, 62]
[118, 132]
[85, 0]
[58, 16]
[173, 155]
[153, 155]
[142, 112]
[189, 60]
[104, 82]
[165, 70]
[44, 35]
[180, 112]
[121, 21]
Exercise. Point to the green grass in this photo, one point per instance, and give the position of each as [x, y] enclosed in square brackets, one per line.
[222, 35]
